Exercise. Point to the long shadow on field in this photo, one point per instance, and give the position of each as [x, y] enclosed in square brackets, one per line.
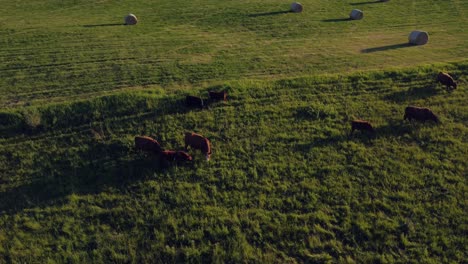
[365, 3]
[387, 47]
[395, 128]
[336, 20]
[113, 165]
[105, 25]
[269, 13]
[412, 94]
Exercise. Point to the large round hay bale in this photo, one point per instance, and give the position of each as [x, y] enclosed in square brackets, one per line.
[131, 19]
[356, 14]
[296, 7]
[418, 37]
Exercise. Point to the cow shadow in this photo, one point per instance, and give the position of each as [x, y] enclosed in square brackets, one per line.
[387, 47]
[270, 13]
[394, 128]
[321, 142]
[412, 94]
[114, 165]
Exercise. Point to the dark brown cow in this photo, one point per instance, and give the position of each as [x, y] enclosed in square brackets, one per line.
[197, 141]
[420, 114]
[194, 101]
[147, 144]
[447, 80]
[361, 125]
[172, 155]
[218, 96]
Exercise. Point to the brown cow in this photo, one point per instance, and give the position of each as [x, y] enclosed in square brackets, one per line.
[420, 114]
[447, 80]
[217, 96]
[361, 125]
[172, 155]
[147, 144]
[197, 141]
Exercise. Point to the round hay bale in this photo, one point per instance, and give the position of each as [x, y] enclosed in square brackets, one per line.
[296, 7]
[131, 19]
[418, 37]
[356, 14]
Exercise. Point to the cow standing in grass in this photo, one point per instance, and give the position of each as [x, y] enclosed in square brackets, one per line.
[199, 142]
[420, 114]
[147, 144]
[362, 126]
[447, 80]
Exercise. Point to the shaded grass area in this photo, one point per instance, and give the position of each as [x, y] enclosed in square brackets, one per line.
[286, 182]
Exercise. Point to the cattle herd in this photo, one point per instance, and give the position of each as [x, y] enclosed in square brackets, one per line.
[199, 142]
[193, 140]
[421, 114]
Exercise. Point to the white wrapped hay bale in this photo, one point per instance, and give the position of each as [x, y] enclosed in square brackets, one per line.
[296, 7]
[418, 37]
[131, 19]
[356, 14]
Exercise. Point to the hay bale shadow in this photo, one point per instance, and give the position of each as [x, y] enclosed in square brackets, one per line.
[387, 47]
[270, 13]
[365, 3]
[337, 19]
[104, 25]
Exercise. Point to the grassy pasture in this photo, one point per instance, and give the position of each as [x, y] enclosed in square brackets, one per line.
[286, 182]
[63, 50]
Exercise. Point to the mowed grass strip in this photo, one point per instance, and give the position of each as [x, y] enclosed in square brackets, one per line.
[61, 49]
[286, 183]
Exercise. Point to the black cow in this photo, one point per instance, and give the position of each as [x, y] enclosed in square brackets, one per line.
[447, 80]
[420, 114]
[361, 125]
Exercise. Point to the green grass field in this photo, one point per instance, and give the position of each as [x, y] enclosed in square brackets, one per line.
[286, 183]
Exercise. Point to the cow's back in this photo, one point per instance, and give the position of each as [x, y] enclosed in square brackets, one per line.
[198, 142]
[361, 125]
[420, 113]
[147, 144]
[446, 79]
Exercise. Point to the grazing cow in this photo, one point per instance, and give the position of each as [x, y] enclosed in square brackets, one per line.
[420, 114]
[194, 101]
[172, 155]
[197, 141]
[147, 144]
[361, 125]
[447, 80]
[217, 96]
